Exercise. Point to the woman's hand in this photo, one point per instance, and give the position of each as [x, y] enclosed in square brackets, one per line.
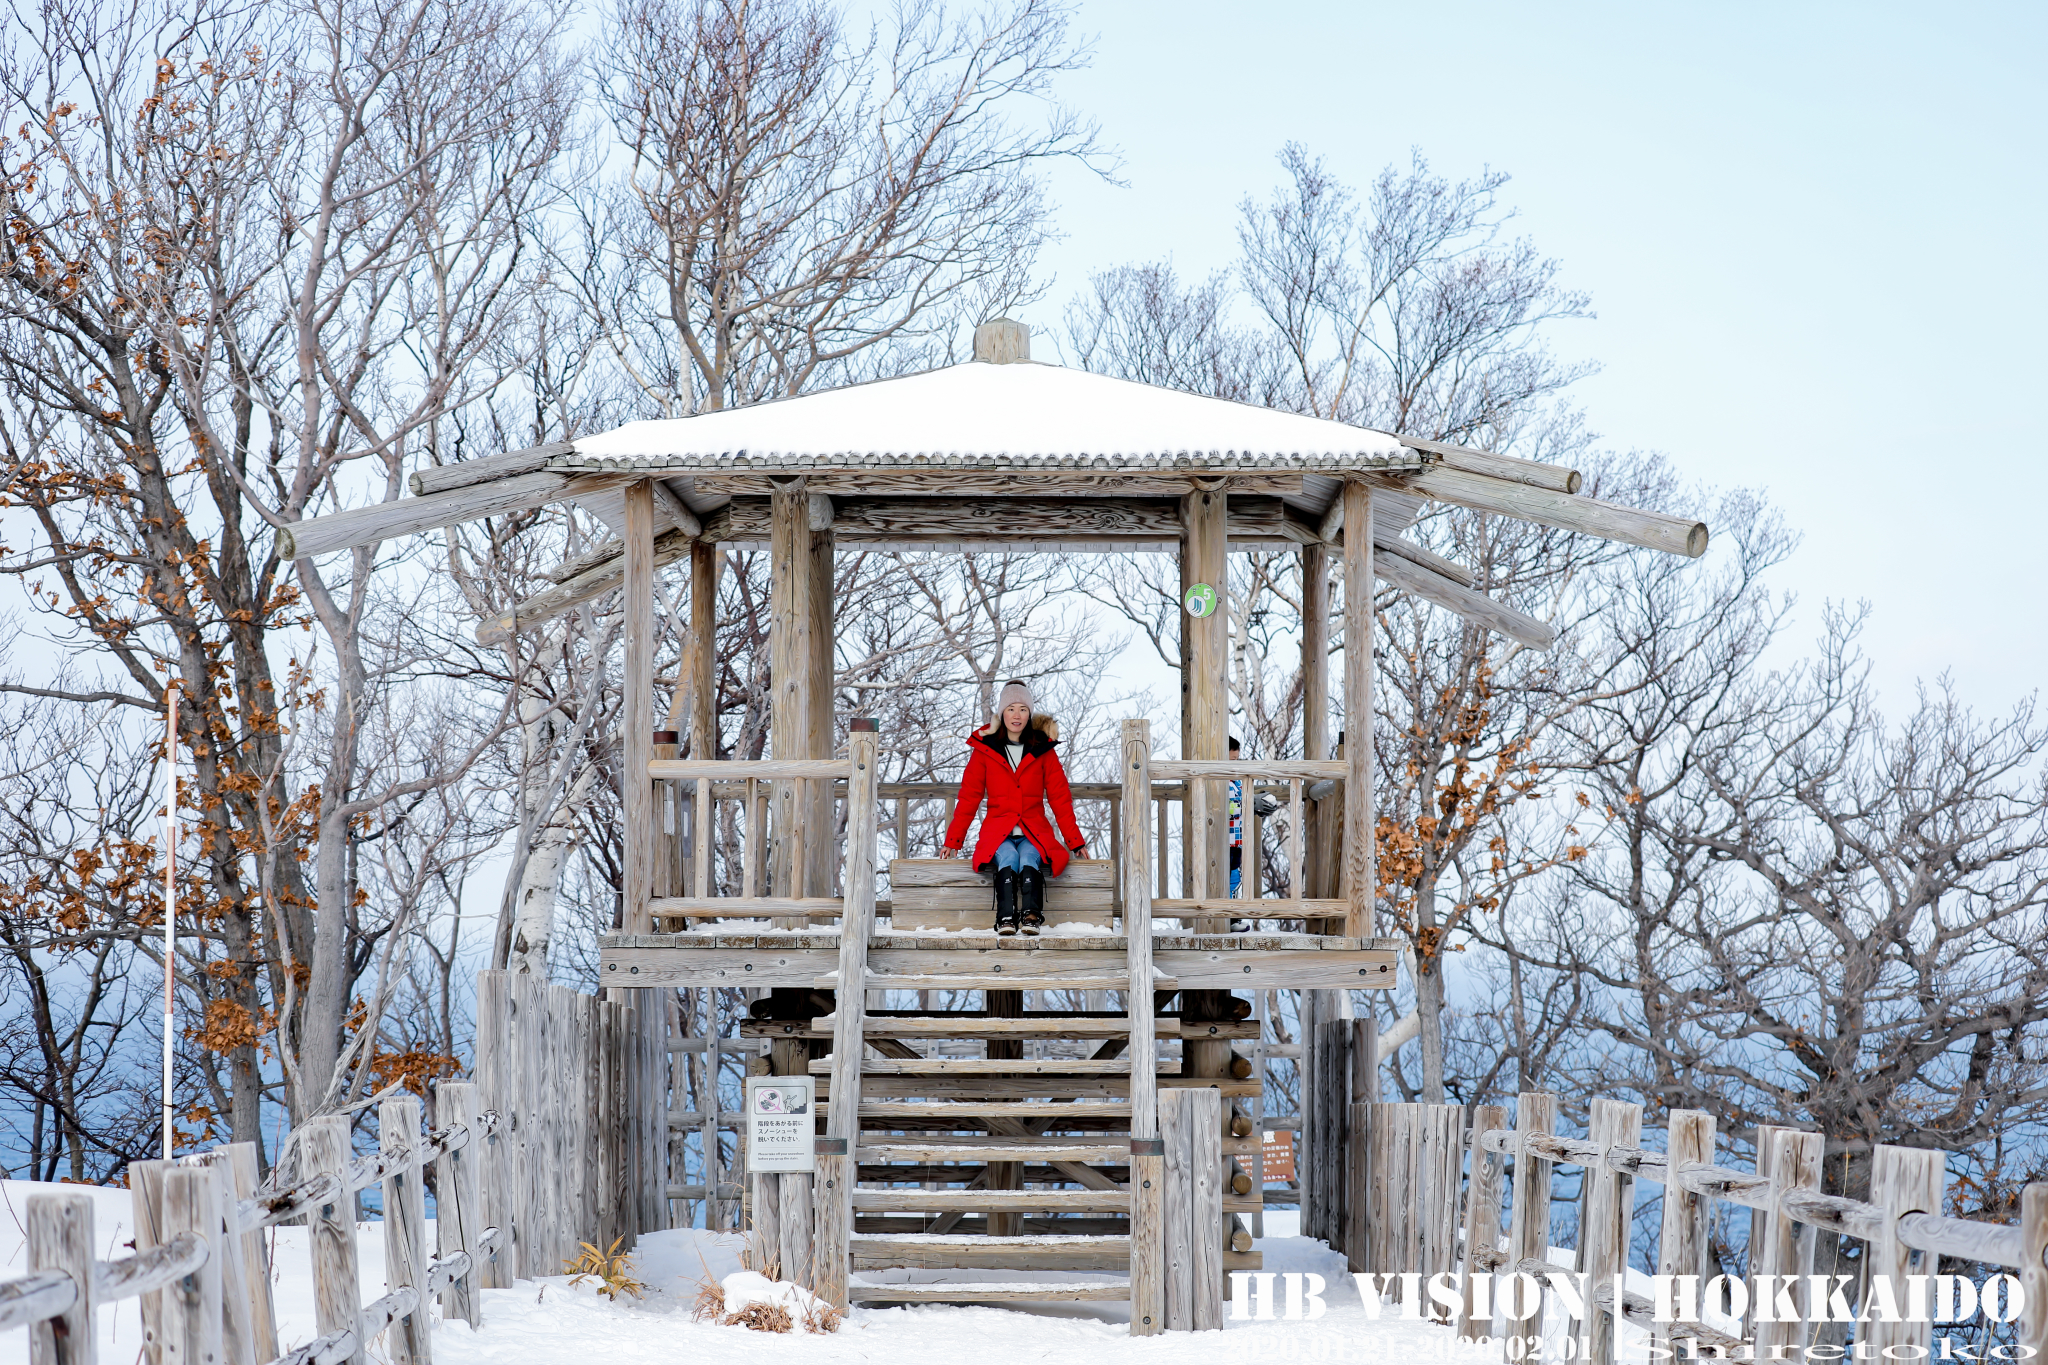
[949, 853]
[1080, 850]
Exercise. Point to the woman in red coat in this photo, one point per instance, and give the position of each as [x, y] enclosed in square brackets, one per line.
[1011, 762]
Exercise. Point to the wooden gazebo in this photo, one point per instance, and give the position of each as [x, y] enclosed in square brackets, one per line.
[1101, 1165]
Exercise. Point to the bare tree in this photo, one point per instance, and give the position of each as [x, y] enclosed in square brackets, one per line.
[804, 206]
[250, 252]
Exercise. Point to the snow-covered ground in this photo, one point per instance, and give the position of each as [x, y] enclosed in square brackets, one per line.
[550, 1323]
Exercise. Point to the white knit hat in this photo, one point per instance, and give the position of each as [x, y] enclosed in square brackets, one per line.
[1014, 691]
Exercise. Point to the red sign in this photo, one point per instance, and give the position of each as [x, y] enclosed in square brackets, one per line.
[1276, 1155]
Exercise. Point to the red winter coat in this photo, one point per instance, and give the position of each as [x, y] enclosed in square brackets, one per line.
[1016, 797]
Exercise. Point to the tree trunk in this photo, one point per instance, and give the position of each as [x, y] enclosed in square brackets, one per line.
[1429, 993]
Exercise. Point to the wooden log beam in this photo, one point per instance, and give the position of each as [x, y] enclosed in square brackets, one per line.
[1114, 522]
[407, 516]
[1453, 596]
[1532, 472]
[1436, 563]
[489, 469]
[1547, 507]
[595, 582]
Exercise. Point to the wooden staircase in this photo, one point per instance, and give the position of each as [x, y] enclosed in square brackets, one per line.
[991, 1163]
[995, 1160]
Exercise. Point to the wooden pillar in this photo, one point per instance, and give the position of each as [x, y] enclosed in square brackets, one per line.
[791, 618]
[707, 562]
[1361, 870]
[837, 1167]
[637, 715]
[1148, 1162]
[821, 851]
[1315, 713]
[1205, 696]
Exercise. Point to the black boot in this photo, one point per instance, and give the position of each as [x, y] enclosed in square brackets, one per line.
[1006, 901]
[1032, 889]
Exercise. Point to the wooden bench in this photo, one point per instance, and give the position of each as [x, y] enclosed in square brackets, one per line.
[947, 893]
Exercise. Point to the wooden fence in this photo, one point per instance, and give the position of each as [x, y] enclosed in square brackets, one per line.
[1409, 1166]
[200, 1266]
[581, 1085]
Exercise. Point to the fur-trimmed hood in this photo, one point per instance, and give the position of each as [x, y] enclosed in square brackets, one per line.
[1040, 735]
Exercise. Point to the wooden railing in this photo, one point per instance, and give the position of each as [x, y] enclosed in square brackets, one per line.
[199, 1264]
[1205, 801]
[703, 784]
[1401, 1214]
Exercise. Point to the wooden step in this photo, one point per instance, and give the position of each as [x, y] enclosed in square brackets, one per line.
[873, 1251]
[983, 1066]
[1114, 1292]
[1092, 873]
[986, 1026]
[946, 1201]
[962, 1109]
[1021, 980]
[1032, 1087]
[993, 1149]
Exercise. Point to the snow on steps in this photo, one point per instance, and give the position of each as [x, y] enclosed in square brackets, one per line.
[941, 1251]
[1025, 1291]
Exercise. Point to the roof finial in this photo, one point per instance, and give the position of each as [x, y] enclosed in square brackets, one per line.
[1002, 341]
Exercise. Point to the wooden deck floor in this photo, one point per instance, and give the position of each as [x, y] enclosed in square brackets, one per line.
[1252, 961]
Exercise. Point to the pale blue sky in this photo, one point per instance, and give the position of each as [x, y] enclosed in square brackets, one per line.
[1812, 233]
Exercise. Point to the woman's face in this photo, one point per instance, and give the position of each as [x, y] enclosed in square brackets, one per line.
[1015, 717]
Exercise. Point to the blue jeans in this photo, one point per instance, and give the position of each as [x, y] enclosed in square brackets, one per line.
[1016, 852]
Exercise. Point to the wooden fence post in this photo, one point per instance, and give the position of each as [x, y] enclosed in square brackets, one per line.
[1205, 1202]
[192, 1326]
[1447, 1172]
[238, 1330]
[2033, 1325]
[337, 1293]
[457, 1183]
[146, 1197]
[1604, 1226]
[492, 1156]
[1358, 1202]
[242, 1169]
[1785, 1247]
[1903, 1180]
[1682, 1237]
[1482, 1220]
[405, 1228]
[1383, 1177]
[1529, 1216]
[60, 1237]
[834, 1213]
[527, 1203]
[1176, 1132]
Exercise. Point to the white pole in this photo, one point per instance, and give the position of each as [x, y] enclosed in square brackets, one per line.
[170, 895]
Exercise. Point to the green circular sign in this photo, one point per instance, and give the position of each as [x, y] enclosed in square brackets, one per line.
[1200, 601]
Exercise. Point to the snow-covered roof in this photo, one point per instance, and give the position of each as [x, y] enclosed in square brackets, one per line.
[980, 415]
